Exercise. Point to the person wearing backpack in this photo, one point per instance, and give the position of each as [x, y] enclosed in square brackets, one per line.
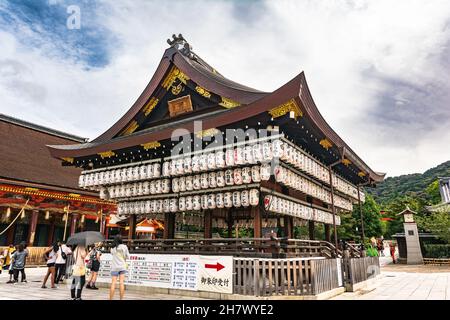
[61, 260]
[119, 266]
[94, 266]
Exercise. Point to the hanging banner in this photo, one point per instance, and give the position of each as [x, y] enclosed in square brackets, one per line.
[186, 272]
[216, 274]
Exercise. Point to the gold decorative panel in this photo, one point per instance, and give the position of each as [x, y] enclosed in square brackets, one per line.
[130, 128]
[174, 74]
[150, 105]
[180, 105]
[228, 103]
[106, 154]
[207, 133]
[203, 92]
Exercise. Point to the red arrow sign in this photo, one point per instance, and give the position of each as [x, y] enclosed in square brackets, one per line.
[216, 266]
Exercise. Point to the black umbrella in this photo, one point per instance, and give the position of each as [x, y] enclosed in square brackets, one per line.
[85, 238]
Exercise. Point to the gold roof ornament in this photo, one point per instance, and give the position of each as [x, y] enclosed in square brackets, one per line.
[361, 174]
[326, 144]
[203, 92]
[151, 104]
[228, 103]
[346, 162]
[207, 133]
[130, 128]
[70, 160]
[174, 74]
[285, 108]
[106, 154]
[151, 145]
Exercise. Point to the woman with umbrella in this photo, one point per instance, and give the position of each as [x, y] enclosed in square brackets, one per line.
[81, 240]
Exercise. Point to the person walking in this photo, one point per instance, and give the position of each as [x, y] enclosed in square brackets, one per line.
[8, 265]
[94, 261]
[61, 260]
[119, 266]
[25, 248]
[380, 247]
[392, 250]
[50, 255]
[18, 263]
[78, 272]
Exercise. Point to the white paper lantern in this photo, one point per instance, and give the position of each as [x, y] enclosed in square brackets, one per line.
[146, 187]
[195, 164]
[107, 176]
[189, 183]
[182, 184]
[112, 192]
[228, 199]
[257, 152]
[187, 164]
[237, 176]
[256, 176]
[203, 162]
[124, 191]
[175, 185]
[103, 193]
[219, 200]
[136, 173]
[220, 178]
[239, 156]
[158, 187]
[211, 161]
[196, 182]
[248, 155]
[204, 201]
[173, 205]
[220, 159]
[229, 157]
[204, 181]
[160, 205]
[265, 172]
[173, 168]
[229, 177]
[267, 151]
[179, 166]
[211, 202]
[140, 189]
[277, 148]
[81, 181]
[166, 169]
[279, 174]
[148, 206]
[196, 203]
[156, 170]
[245, 201]
[165, 186]
[254, 197]
[189, 203]
[212, 181]
[246, 175]
[236, 199]
[166, 205]
[96, 179]
[101, 177]
[182, 203]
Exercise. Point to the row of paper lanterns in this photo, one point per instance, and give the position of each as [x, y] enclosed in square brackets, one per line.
[243, 155]
[237, 199]
[291, 179]
[217, 179]
[287, 207]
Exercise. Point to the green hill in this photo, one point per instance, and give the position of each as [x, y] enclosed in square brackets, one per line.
[409, 184]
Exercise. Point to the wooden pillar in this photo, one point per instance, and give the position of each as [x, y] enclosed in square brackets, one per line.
[311, 230]
[230, 223]
[361, 216]
[32, 229]
[288, 227]
[257, 222]
[73, 224]
[327, 232]
[132, 226]
[51, 232]
[333, 209]
[10, 235]
[208, 224]
[169, 226]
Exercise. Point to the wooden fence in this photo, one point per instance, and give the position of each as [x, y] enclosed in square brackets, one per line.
[295, 276]
[360, 269]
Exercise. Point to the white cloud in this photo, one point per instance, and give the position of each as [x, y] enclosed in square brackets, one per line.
[354, 54]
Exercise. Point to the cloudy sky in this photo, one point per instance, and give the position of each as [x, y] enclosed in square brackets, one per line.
[379, 71]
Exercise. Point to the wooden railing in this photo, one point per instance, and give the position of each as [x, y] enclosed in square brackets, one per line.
[360, 269]
[241, 247]
[295, 276]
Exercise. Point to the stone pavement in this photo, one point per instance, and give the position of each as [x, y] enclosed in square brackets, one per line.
[406, 282]
[33, 291]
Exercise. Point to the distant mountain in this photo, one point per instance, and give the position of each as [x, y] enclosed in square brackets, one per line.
[415, 183]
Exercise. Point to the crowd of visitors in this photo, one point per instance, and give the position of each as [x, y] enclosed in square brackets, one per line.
[13, 260]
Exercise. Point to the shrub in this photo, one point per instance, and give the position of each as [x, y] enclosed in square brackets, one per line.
[437, 250]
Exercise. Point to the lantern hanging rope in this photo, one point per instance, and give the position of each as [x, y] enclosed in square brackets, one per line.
[17, 217]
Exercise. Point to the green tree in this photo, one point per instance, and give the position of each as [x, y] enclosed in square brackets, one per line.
[437, 223]
[433, 193]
